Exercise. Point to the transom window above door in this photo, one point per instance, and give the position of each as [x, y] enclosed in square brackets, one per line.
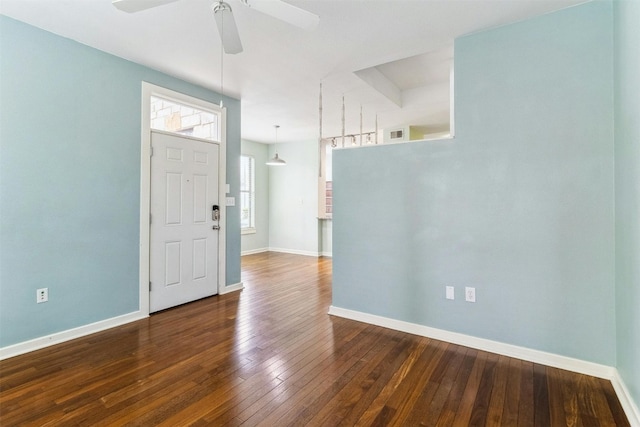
[171, 116]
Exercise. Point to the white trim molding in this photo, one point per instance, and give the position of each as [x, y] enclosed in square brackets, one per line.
[523, 353]
[148, 90]
[69, 334]
[285, 251]
[629, 406]
[82, 331]
[254, 251]
[295, 252]
[231, 288]
[536, 356]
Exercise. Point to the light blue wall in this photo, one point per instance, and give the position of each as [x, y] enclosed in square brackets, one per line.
[70, 181]
[293, 199]
[259, 240]
[627, 158]
[519, 205]
[287, 200]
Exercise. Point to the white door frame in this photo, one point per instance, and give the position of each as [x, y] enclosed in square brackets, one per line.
[148, 90]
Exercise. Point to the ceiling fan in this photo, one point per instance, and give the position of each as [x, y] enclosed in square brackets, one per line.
[224, 16]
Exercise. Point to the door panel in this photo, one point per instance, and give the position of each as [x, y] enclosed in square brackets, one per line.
[199, 258]
[183, 239]
[200, 199]
[173, 261]
[173, 198]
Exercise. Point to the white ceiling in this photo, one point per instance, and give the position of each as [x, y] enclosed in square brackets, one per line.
[277, 76]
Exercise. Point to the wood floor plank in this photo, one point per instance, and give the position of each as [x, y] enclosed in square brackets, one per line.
[303, 379]
[526, 409]
[570, 397]
[378, 406]
[374, 384]
[428, 405]
[498, 391]
[512, 393]
[555, 382]
[329, 372]
[540, 396]
[601, 406]
[458, 386]
[619, 417]
[271, 355]
[410, 398]
[483, 396]
[334, 405]
[467, 402]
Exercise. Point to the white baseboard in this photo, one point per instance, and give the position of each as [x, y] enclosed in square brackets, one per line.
[549, 359]
[81, 331]
[286, 251]
[630, 408]
[70, 334]
[523, 353]
[254, 251]
[295, 252]
[231, 288]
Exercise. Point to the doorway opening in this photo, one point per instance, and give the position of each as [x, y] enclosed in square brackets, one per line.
[168, 112]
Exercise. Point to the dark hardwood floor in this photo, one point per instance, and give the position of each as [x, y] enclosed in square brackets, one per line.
[270, 355]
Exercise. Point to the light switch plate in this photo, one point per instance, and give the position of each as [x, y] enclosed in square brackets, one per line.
[450, 293]
[231, 201]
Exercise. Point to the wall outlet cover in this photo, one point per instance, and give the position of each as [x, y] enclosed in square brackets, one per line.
[42, 295]
[470, 294]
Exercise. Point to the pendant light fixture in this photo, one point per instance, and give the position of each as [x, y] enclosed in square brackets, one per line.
[276, 161]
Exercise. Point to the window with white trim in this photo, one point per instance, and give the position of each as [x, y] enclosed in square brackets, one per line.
[247, 194]
[183, 119]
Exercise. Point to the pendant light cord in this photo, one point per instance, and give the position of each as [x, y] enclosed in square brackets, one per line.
[222, 60]
[320, 146]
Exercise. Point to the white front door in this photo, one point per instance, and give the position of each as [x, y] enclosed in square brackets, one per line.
[183, 233]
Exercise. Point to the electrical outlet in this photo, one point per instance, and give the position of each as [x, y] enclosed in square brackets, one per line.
[42, 295]
[450, 293]
[470, 294]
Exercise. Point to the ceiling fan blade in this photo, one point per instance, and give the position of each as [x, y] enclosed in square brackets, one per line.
[285, 12]
[227, 28]
[132, 6]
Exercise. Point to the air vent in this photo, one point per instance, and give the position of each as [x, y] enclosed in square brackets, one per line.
[397, 134]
